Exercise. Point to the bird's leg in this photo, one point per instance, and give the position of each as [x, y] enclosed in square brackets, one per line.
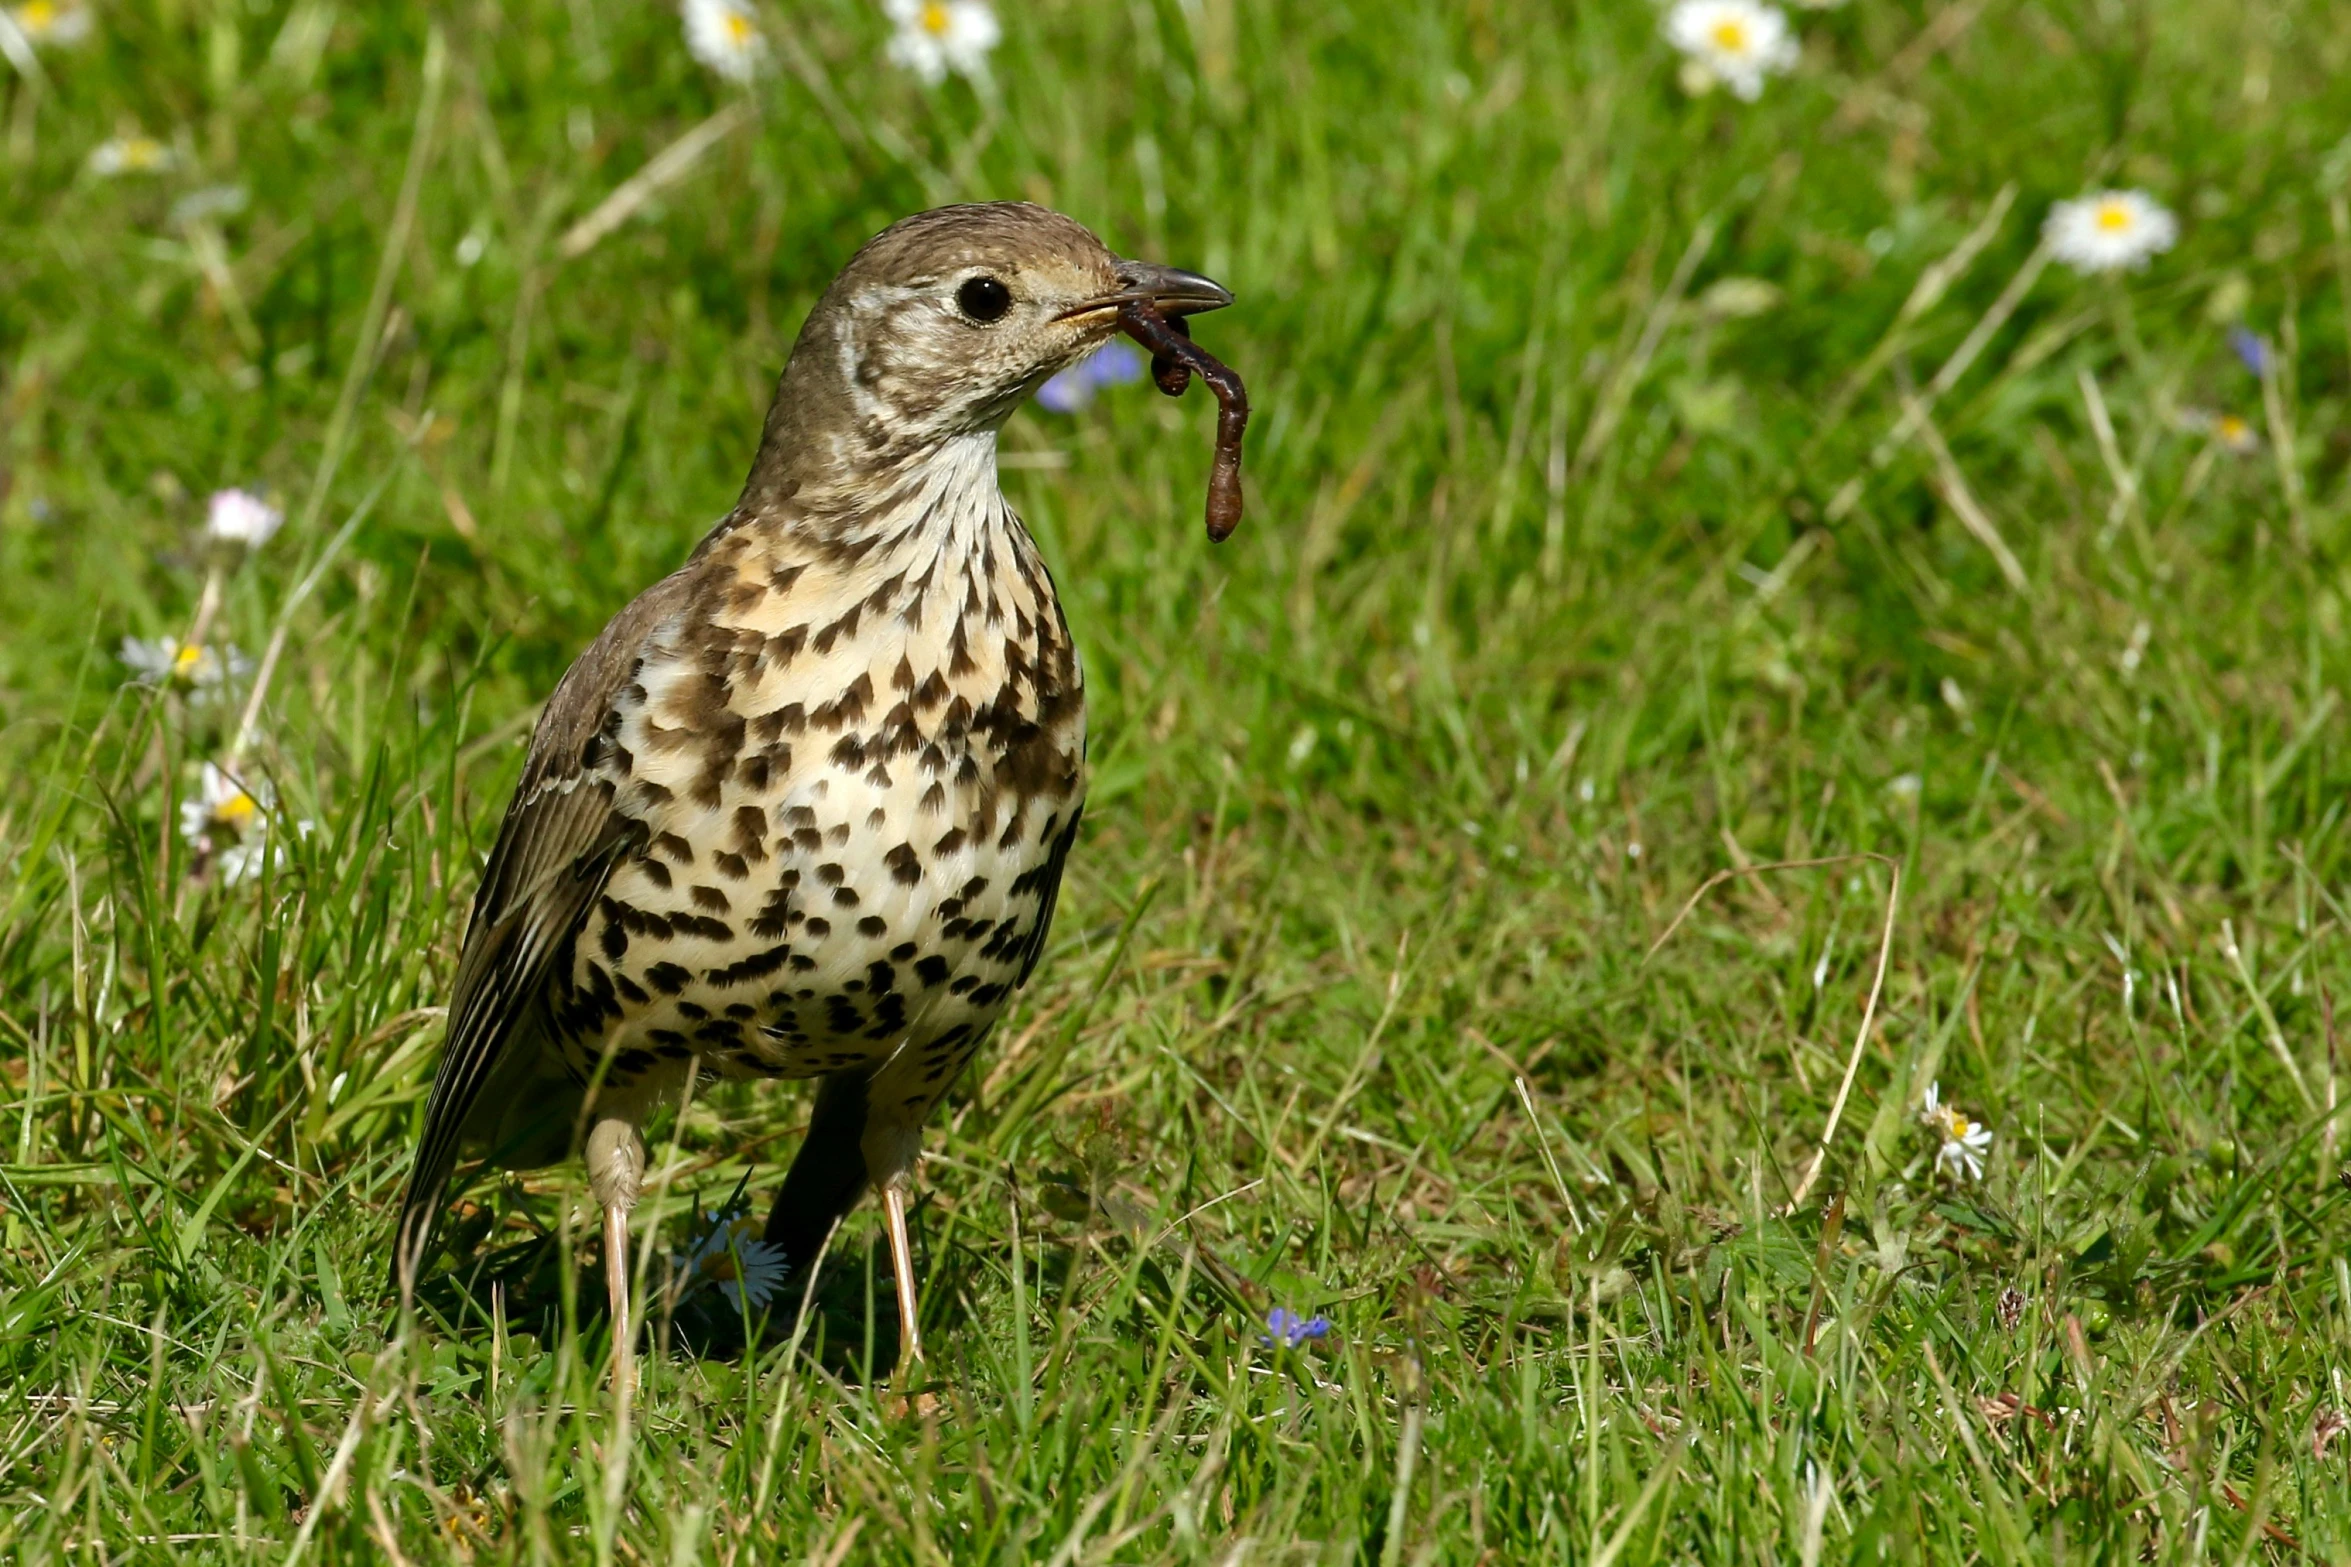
[902, 1267]
[616, 1173]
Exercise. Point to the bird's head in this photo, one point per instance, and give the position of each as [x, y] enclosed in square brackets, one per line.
[940, 327]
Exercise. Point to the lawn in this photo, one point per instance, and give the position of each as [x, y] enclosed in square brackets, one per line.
[1645, 485]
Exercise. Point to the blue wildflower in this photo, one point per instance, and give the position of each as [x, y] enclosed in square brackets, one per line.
[1285, 1329]
[1115, 364]
[2250, 348]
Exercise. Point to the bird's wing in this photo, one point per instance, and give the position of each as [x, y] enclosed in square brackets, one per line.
[562, 835]
[1049, 893]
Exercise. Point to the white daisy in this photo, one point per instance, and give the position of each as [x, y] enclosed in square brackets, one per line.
[222, 810]
[131, 155]
[1964, 1142]
[732, 1259]
[938, 36]
[2110, 231]
[163, 661]
[245, 860]
[724, 35]
[1735, 42]
[241, 517]
[58, 23]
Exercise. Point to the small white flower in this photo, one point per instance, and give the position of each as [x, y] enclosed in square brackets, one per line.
[130, 155]
[57, 23]
[732, 1259]
[938, 36]
[241, 517]
[164, 661]
[246, 860]
[724, 35]
[212, 201]
[221, 809]
[1735, 42]
[1964, 1142]
[2110, 231]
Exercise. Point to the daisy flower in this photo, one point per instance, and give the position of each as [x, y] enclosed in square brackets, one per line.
[732, 1259]
[130, 155]
[163, 661]
[1116, 363]
[724, 36]
[227, 822]
[2110, 231]
[241, 517]
[221, 807]
[62, 23]
[1965, 1142]
[938, 36]
[2232, 432]
[245, 861]
[1735, 42]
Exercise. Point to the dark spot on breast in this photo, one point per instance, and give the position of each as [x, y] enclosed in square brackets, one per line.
[732, 866]
[905, 865]
[949, 841]
[846, 897]
[614, 940]
[819, 927]
[710, 898]
[757, 966]
[768, 727]
[675, 847]
[901, 952]
[667, 978]
[873, 925]
[931, 970]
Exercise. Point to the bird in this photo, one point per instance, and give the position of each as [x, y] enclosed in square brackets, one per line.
[803, 808]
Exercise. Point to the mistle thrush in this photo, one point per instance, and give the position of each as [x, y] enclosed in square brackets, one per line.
[803, 807]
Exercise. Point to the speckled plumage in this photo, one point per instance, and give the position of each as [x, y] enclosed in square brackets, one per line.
[802, 809]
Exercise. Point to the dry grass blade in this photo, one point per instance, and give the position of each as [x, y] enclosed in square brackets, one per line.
[664, 169]
[1869, 1010]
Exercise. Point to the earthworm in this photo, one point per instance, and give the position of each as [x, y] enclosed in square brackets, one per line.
[1174, 360]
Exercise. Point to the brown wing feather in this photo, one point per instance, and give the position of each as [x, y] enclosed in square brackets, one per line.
[562, 835]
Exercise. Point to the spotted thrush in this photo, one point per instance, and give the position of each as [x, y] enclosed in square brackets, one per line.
[802, 809]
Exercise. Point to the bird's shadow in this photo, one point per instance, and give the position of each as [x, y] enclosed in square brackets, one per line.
[852, 1315]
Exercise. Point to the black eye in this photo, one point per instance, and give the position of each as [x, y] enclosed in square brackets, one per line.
[984, 299]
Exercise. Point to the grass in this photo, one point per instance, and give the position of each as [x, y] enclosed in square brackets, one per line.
[1571, 578]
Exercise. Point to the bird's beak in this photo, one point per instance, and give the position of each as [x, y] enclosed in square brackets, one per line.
[1171, 290]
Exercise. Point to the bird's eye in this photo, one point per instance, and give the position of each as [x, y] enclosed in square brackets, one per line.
[984, 299]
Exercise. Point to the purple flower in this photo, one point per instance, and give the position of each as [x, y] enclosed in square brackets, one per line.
[1116, 363]
[2250, 349]
[1285, 1329]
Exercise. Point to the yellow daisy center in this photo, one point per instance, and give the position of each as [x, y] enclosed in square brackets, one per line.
[141, 152]
[184, 662]
[738, 29]
[2233, 428]
[237, 811]
[36, 17]
[2113, 216]
[1730, 35]
[935, 19]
